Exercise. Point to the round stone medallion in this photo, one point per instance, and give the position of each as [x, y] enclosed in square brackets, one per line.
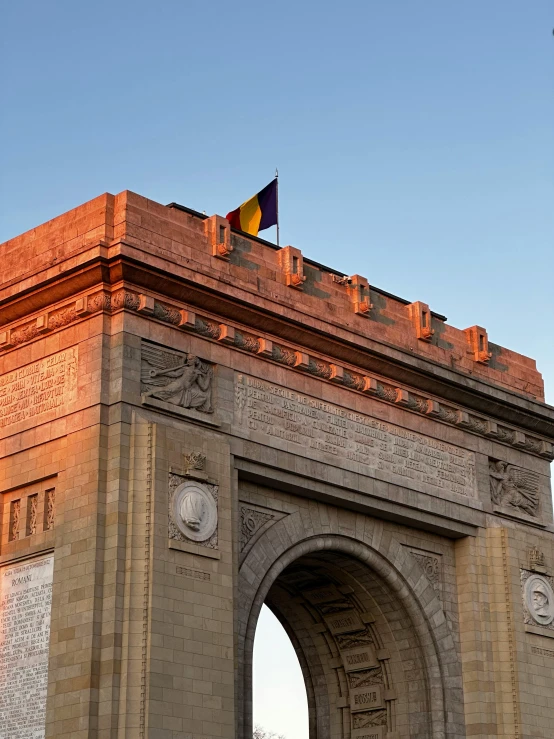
[539, 599]
[194, 511]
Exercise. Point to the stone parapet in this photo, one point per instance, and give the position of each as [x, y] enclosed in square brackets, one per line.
[182, 244]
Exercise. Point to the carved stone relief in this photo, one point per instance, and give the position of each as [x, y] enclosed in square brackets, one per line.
[538, 599]
[367, 678]
[375, 718]
[32, 511]
[49, 509]
[537, 560]
[430, 563]
[192, 511]
[195, 461]
[251, 521]
[286, 355]
[514, 488]
[179, 379]
[15, 513]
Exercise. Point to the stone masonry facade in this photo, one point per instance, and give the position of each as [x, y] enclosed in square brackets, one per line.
[194, 422]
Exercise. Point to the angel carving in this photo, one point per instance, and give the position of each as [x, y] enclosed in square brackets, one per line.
[514, 486]
[186, 383]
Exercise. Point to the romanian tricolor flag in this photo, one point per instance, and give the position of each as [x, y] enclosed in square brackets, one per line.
[258, 213]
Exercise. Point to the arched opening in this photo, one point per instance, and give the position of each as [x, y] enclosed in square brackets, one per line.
[280, 702]
[366, 637]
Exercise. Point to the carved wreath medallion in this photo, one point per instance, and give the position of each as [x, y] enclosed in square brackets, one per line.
[193, 512]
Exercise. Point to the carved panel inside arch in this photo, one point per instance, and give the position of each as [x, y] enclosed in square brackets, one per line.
[349, 633]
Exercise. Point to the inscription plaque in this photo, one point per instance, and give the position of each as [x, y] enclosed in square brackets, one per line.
[320, 428]
[366, 699]
[25, 600]
[371, 732]
[359, 658]
[39, 387]
[344, 622]
[324, 594]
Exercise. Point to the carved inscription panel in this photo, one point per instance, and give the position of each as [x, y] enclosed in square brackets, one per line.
[25, 600]
[320, 428]
[29, 392]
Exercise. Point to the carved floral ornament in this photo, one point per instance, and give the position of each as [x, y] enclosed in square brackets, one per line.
[325, 369]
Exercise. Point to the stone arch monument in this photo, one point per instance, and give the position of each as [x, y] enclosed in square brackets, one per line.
[194, 422]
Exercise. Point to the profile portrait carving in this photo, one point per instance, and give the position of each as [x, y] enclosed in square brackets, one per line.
[193, 512]
[513, 487]
[539, 599]
[179, 379]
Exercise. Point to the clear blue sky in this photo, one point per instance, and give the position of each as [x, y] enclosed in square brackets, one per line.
[414, 140]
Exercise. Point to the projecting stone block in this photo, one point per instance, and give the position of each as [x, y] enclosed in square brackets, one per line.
[344, 622]
[359, 658]
[366, 698]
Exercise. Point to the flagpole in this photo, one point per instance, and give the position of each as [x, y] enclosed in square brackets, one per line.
[277, 198]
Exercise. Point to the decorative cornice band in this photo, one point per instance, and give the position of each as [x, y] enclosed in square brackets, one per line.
[324, 369]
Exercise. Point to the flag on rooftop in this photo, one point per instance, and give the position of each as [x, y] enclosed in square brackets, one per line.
[258, 213]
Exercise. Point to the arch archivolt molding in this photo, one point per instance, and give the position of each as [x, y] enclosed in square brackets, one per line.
[378, 658]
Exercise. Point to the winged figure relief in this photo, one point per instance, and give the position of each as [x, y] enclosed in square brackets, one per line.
[514, 486]
[180, 379]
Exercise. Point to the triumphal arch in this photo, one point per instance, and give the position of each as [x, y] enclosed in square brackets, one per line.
[194, 422]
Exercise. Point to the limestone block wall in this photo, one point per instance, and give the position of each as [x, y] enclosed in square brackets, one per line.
[341, 442]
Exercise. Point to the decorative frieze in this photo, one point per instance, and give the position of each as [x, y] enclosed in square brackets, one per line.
[325, 369]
